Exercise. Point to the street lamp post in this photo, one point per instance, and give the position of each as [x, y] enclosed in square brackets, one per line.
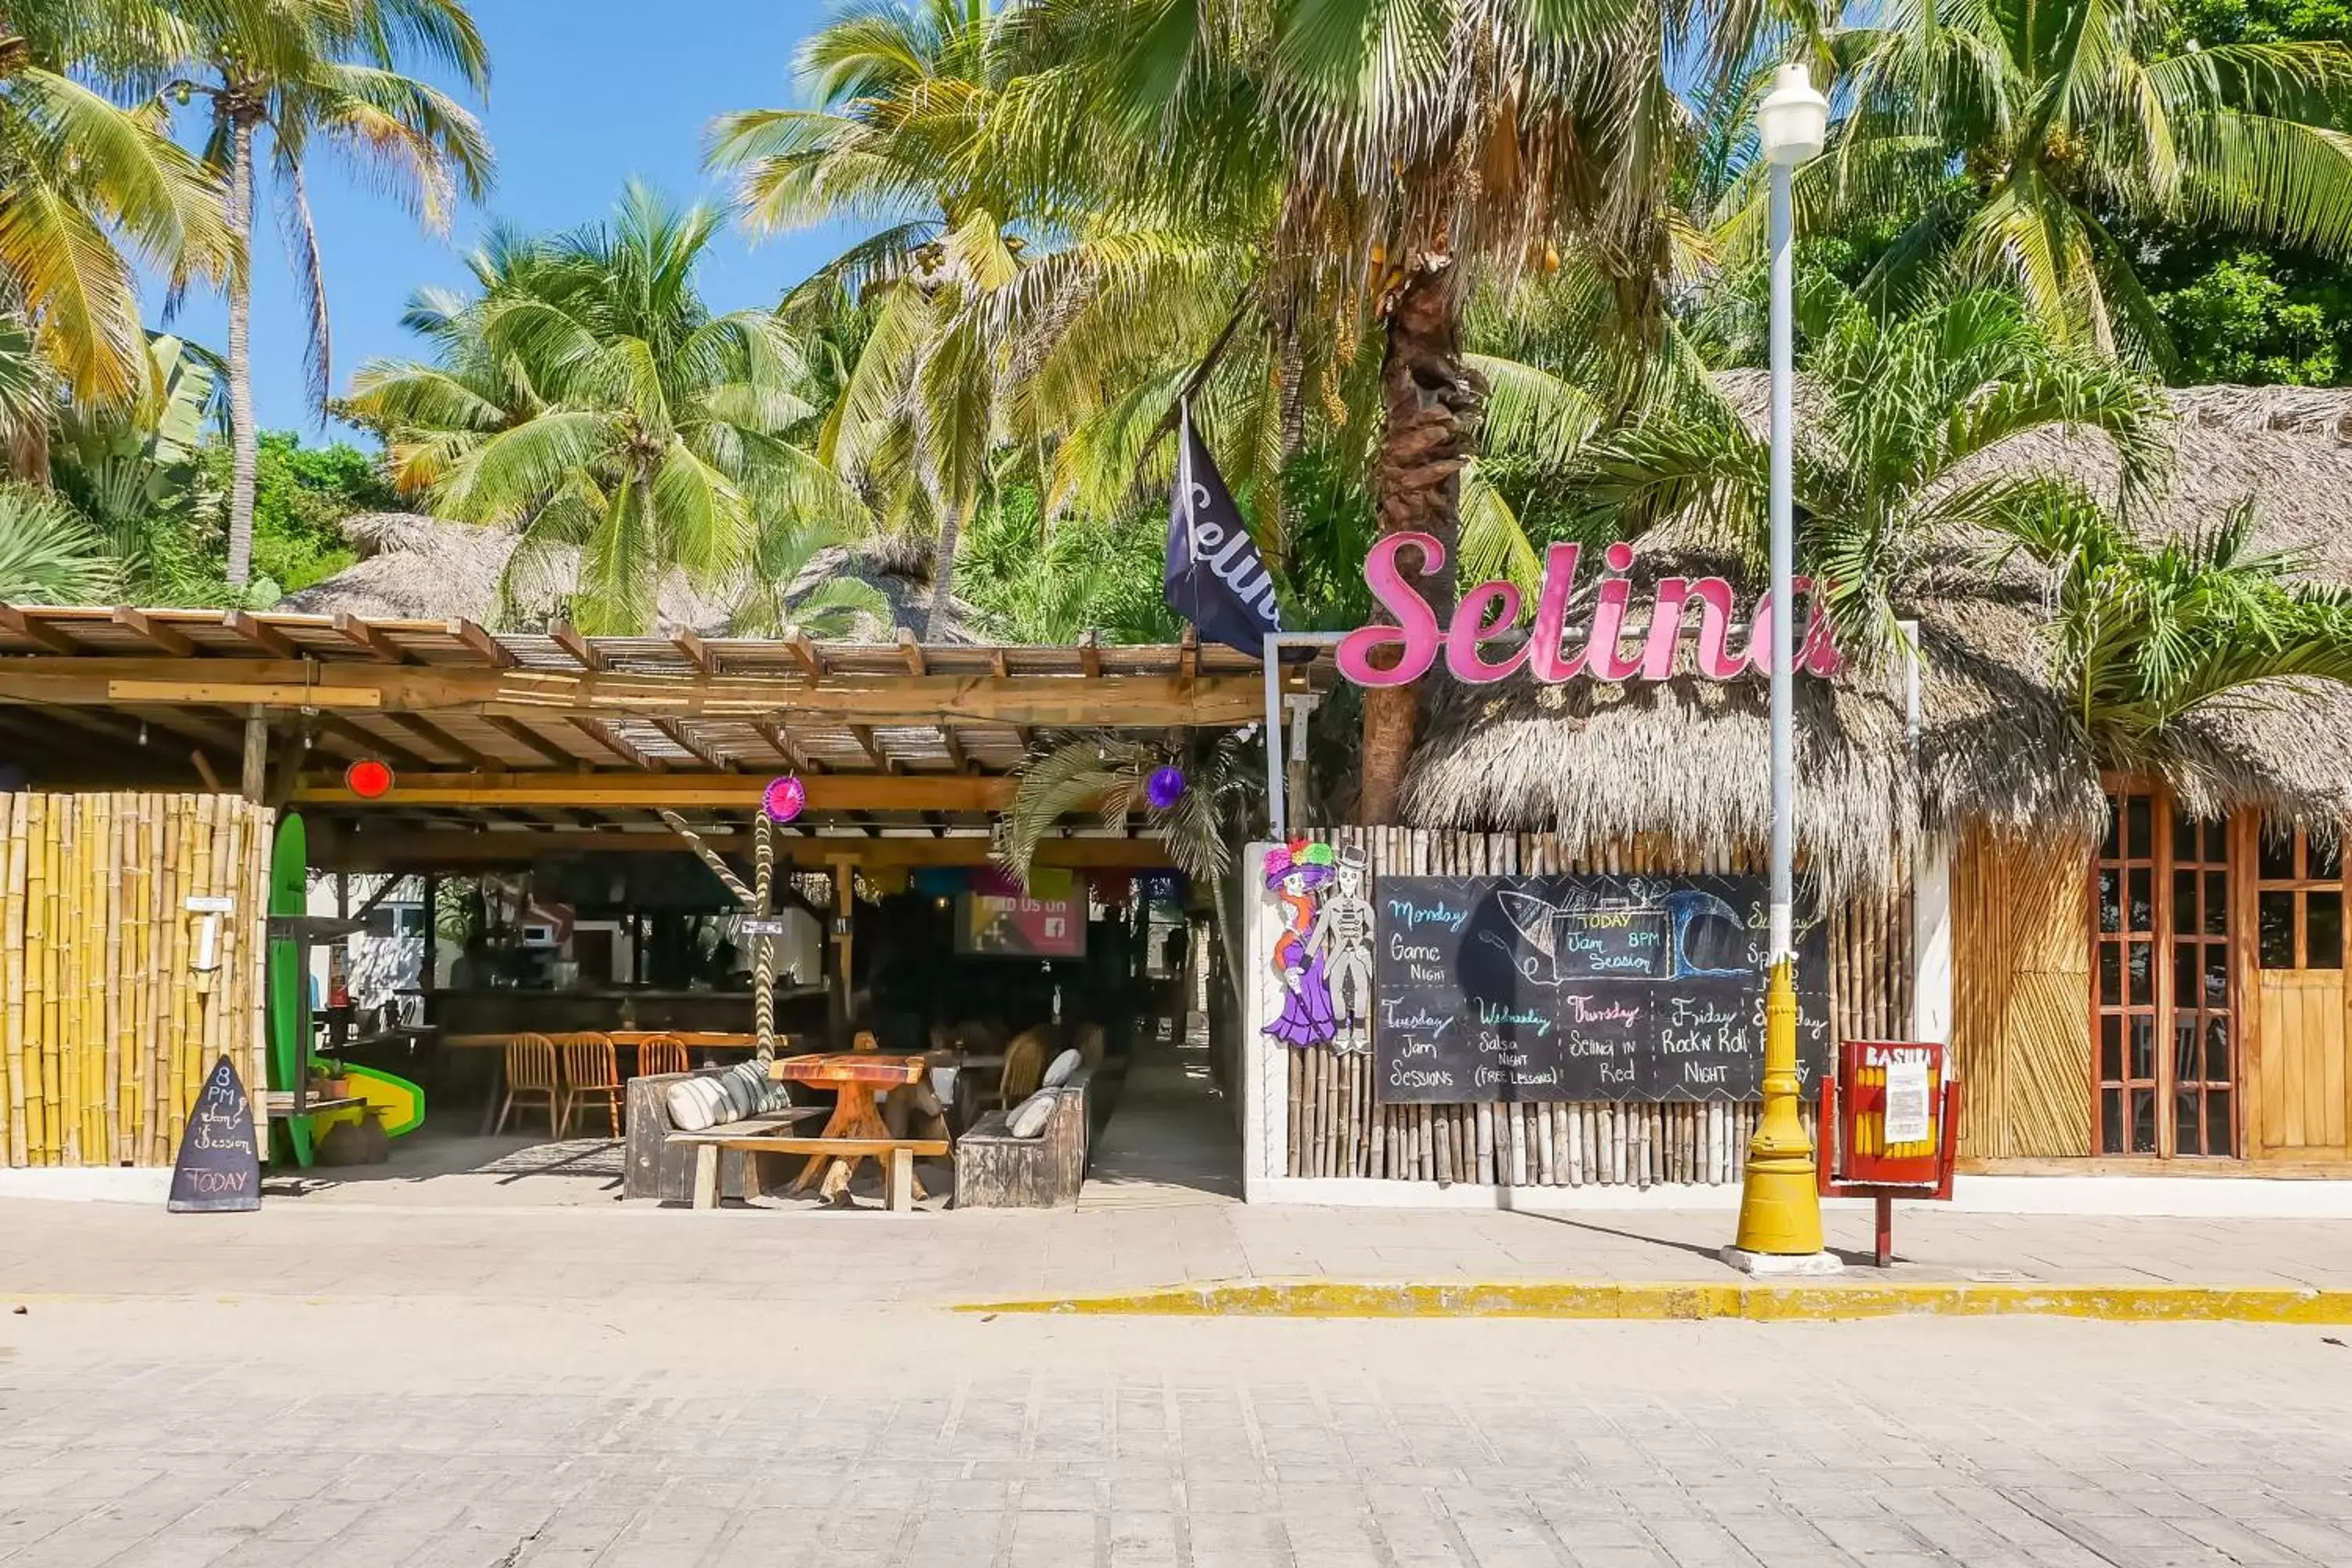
[1780, 1205]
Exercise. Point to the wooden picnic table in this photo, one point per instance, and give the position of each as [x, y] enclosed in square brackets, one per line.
[854, 1075]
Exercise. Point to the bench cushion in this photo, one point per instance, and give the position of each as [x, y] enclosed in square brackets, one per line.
[1058, 1072]
[1028, 1119]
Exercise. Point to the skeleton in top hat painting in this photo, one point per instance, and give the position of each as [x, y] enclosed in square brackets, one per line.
[1343, 937]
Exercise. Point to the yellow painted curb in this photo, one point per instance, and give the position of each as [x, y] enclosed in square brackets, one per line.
[1795, 1301]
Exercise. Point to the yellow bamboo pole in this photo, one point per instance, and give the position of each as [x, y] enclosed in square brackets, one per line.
[37, 962]
[12, 978]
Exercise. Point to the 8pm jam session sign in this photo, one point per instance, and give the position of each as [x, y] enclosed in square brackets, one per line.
[1580, 988]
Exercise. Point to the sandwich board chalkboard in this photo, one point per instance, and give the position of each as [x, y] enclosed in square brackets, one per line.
[219, 1168]
[1581, 988]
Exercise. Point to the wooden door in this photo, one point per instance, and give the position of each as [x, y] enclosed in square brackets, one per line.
[2301, 1108]
[2299, 1098]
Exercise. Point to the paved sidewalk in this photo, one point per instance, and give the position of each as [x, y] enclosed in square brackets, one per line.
[798, 1255]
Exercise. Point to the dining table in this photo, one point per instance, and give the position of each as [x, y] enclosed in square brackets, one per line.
[854, 1077]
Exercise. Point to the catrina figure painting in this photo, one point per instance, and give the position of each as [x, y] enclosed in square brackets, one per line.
[1296, 874]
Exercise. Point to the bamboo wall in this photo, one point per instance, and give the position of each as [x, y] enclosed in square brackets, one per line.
[1334, 1129]
[2021, 1004]
[106, 1029]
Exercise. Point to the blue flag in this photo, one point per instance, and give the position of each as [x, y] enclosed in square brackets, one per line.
[1214, 576]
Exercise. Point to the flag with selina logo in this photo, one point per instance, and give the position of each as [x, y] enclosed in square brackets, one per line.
[1214, 576]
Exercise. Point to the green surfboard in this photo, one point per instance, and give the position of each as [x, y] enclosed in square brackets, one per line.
[400, 1103]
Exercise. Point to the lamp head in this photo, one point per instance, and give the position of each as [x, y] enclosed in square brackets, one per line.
[1793, 122]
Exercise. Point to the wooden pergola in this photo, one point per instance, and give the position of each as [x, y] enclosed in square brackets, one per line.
[506, 746]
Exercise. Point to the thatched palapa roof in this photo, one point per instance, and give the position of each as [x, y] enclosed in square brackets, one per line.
[1685, 760]
[415, 567]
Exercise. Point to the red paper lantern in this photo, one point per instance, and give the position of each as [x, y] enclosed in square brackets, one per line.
[368, 779]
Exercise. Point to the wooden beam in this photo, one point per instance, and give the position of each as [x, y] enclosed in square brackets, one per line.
[805, 649]
[369, 744]
[168, 640]
[1090, 653]
[864, 735]
[741, 792]
[620, 745]
[433, 735]
[696, 652]
[530, 739]
[482, 645]
[49, 636]
[583, 652]
[1188, 652]
[700, 751]
[913, 652]
[205, 771]
[781, 745]
[360, 635]
[261, 635]
[954, 749]
[1058, 702]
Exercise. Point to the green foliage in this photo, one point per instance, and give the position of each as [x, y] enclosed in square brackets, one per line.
[49, 553]
[2265, 21]
[2142, 634]
[1104, 772]
[302, 496]
[1902, 458]
[1033, 584]
[2252, 316]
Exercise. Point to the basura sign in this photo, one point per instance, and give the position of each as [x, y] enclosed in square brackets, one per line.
[1491, 609]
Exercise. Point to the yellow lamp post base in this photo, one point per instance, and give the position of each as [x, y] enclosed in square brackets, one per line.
[1780, 1202]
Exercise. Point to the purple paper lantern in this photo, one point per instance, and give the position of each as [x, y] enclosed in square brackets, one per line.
[783, 799]
[1164, 788]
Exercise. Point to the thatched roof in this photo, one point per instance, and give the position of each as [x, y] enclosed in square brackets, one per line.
[413, 567]
[1687, 759]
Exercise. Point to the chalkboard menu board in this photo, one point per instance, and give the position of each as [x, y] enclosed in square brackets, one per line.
[219, 1170]
[1587, 988]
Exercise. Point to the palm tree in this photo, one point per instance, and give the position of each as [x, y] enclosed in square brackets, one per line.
[902, 93]
[2063, 120]
[1899, 459]
[328, 71]
[49, 553]
[1411, 148]
[589, 399]
[1108, 774]
[2141, 635]
[90, 192]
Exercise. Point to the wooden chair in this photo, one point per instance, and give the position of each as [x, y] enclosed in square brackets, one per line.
[662, 1054]
[532, 1072]
[592, 1066]
[1092, 1046]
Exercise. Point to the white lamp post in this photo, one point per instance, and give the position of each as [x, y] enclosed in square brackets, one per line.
[1780, 1205]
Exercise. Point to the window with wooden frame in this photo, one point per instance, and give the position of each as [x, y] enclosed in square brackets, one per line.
[2298, 903]
[2164, 1004]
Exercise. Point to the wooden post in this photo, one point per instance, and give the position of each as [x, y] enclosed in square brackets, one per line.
[254, 781]
[432, 945]
[845, 907]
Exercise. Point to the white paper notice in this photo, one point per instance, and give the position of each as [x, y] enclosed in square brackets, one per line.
[1907, 1102]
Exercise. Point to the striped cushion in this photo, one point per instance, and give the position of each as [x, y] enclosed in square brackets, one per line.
[699, 1102]
[1029, 1118]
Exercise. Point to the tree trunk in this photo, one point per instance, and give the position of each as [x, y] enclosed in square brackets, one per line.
[1290, 374]
[1431, 402]
[242, 436]
[935, 620]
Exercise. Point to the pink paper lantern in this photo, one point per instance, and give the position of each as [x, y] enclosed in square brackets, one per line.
[783, 798]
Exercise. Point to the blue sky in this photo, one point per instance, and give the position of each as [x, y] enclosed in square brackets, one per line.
[585, 94]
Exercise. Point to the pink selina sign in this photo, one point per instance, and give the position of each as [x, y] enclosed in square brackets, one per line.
[1490, 609]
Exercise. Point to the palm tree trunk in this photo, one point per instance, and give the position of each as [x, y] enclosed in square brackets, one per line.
[1432, 401]
[943, 554]
[1290, 374]
[242, 437]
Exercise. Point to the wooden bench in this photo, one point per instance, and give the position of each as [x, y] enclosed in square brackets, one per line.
[764, 1135]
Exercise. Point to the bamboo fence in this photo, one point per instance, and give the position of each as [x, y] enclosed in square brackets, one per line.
[107, 1028]
[1335, 1129]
